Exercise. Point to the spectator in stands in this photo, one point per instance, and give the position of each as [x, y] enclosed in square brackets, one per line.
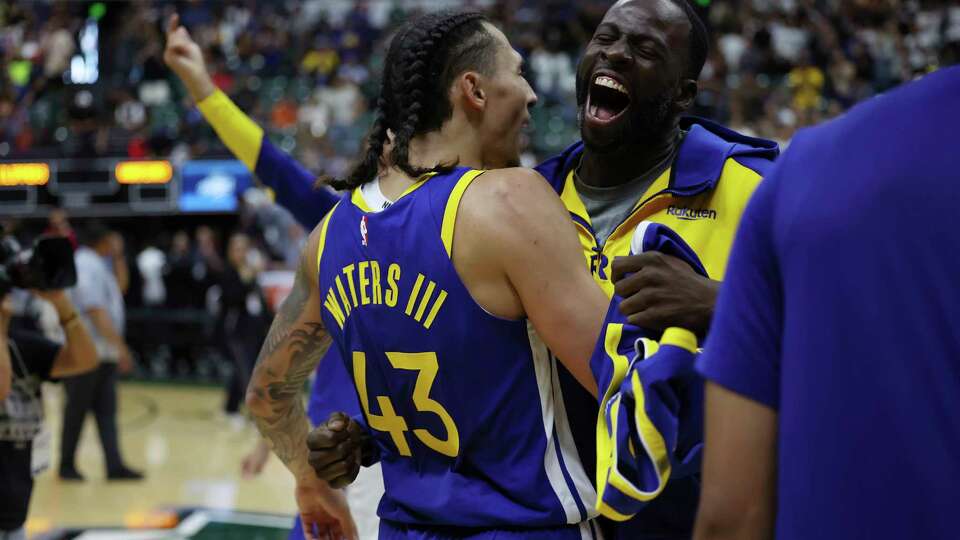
[99, 300]
[554, 75]
[342, 97]
[264, 60]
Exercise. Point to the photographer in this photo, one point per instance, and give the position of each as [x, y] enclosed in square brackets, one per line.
[26, 360]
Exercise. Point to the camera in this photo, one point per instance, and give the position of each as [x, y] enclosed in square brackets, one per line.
[47, 265]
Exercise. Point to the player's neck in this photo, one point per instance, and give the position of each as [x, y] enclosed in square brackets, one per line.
[451, 144]
[628, 162]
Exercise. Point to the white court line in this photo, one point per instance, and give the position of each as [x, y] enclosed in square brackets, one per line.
[193, 524]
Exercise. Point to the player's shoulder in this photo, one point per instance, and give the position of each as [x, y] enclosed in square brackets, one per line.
[508, 194]
[505, 205]
[512, 184]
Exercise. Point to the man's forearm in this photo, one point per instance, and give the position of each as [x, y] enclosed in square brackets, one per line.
[275, 398]
[293, 348]
[81, 353]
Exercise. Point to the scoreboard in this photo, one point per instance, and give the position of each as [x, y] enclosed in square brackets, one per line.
[121, 188]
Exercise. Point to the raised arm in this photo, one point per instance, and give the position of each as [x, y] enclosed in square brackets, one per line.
[523, 240]
[294, 346]
[78, 354]
[291, 182]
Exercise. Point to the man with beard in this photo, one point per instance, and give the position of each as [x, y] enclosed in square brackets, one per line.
[639, 160]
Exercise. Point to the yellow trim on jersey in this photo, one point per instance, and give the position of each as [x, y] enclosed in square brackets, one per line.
[710, 236]
[571, 199]
[680, 337]
[241, 135]
[416, 185]
[652, 441]
[359, 200]
[650, 347]
[323, 234]
[608, 512]
[611, 343]
[453, 206]
[650, 437]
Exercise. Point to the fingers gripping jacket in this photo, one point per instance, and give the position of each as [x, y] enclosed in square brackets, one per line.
[650, 425]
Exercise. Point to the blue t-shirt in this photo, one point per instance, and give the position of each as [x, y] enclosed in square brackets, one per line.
[839, 310]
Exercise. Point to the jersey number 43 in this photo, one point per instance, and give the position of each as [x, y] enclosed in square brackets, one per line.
[388, 421]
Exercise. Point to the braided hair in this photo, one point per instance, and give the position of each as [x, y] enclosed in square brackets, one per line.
[424, 58]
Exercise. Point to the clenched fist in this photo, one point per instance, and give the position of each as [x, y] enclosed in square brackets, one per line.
[337, 449]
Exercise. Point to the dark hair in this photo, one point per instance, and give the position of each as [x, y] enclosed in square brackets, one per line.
[698, 40]
[424, 58]
[91, 233]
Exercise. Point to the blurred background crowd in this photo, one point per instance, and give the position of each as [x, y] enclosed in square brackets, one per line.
[87, 79]
[306, 71]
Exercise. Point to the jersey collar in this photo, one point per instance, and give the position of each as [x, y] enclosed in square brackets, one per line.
[697, 166]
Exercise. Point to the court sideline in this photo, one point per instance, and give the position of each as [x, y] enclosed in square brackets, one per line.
[190, 452]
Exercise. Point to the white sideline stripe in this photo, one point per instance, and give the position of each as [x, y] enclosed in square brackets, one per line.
[571, 457]
[542, 365]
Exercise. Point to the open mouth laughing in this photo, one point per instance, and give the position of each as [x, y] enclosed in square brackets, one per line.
[607, 98]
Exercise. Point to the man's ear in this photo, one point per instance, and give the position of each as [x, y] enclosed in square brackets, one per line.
[470, 87]
[686, 95]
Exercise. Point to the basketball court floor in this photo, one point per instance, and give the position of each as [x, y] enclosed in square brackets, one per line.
[191, 454]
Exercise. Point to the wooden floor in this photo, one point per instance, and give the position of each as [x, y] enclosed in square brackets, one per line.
[177, 435]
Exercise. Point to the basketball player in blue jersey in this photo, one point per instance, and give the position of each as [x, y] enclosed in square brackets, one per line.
[433, 306]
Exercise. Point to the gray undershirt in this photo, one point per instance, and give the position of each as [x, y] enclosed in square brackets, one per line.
[608, 207]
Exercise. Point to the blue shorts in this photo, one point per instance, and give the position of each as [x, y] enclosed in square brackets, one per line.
[400, 531]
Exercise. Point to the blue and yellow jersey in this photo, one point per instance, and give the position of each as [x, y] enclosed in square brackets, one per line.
[650, 425]
[462, 404]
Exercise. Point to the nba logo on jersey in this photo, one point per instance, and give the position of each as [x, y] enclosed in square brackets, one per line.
[363, 230]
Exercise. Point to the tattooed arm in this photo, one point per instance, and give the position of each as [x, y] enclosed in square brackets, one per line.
[294, 346]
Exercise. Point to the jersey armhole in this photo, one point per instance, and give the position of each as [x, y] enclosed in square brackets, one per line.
[323, 235]
[453, 206]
